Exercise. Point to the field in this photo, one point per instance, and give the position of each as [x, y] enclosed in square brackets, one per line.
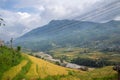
[70, 53]
[42, 69]
[10, 74]
[32, 68]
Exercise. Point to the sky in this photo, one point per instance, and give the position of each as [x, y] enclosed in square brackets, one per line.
[21, 16]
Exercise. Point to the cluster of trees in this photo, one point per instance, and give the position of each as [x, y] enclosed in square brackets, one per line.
[93, 63]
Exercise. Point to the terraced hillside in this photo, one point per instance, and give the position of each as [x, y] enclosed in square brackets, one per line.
[41, 69]
[84, 56]
[32, 68]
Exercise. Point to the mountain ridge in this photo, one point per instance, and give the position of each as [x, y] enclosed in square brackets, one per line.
[73, 33]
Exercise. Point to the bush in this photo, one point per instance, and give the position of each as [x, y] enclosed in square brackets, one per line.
[58, 63]
[18, 48]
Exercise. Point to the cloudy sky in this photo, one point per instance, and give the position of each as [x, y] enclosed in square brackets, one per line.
[22, 16]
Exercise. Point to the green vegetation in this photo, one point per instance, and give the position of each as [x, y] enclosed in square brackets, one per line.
[68, 53]
[86, 57]
[58, 34]
[12, 72]
[18, 48]
[8, 59]
[93, 63]
[21, 66]
[25, 69]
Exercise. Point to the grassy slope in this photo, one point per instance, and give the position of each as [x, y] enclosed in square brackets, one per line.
[105, 73]
[12, 72]
[8, 58]
[38, 69]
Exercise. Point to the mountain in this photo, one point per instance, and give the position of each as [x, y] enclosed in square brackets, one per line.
[72, 33]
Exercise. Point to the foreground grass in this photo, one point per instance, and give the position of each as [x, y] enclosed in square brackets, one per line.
[32, 68]
[10, 74]
[22, 74]
[8, 58]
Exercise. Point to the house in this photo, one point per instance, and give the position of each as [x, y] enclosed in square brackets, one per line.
[1, 43]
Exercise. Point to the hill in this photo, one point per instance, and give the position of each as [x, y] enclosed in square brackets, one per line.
[17, 66]
[32, 68]
[72, 33]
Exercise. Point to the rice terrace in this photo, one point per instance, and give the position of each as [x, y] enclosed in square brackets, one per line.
[60, 40]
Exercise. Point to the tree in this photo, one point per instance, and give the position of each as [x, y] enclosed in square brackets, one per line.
[18, 48]
[58, 63]
[2, 22]
[11, 41]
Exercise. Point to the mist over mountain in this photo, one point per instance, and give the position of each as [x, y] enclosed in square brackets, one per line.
[72, 33]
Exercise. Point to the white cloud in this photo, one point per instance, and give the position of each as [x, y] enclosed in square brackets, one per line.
[117, 18]
[24, 15]
[18, 23]
[41, 12]
[58, 9]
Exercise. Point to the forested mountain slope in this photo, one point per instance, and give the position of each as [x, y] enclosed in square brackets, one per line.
[71, 33]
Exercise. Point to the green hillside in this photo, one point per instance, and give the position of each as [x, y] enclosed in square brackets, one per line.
[8, 59]
[23, 66]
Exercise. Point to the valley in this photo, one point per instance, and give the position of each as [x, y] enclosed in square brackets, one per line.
[84, 53]
[81, 46]
[59, 39]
